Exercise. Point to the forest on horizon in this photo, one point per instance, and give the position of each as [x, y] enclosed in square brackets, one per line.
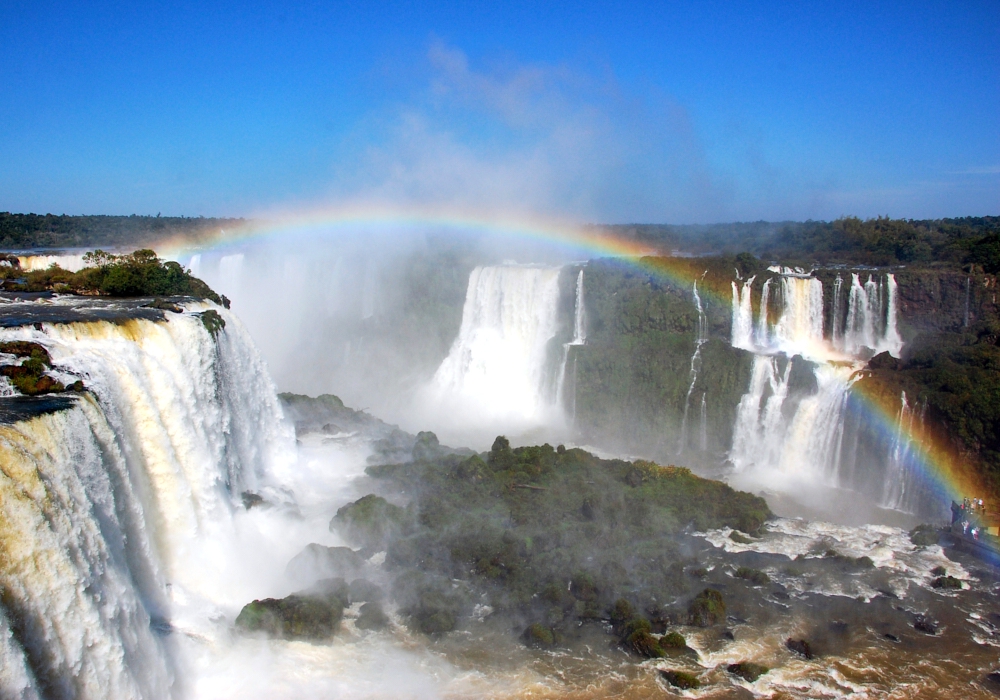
[882, 241]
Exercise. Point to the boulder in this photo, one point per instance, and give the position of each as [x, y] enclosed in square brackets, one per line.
[747, 670]
[372, 617]
[680, 679]
[707, 609]
[317, 562]
[800, 647]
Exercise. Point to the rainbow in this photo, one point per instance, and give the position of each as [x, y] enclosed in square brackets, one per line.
[941, 469]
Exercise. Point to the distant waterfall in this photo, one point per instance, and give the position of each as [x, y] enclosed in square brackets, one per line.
[130, 489]
[700, 338]
[579, 314]
[793, 432]
[742, 315]
[837, 330]
[900, 482]
[499, 367]
[872, 317]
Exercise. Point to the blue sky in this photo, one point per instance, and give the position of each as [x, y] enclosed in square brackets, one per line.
[672, 112]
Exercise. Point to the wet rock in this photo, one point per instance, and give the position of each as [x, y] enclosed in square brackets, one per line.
[800, 647]
[680, 679]
[251, 499]
[924, 535]
[926, 625]
[754, 576]
[891, 637]
[312, 615]
[371, 521]
[364, 591]
[538, 635]
[319, 562]
[947, 583]
[673, 640]
[372, 617]
[839, 627]
[728, 634]
[747, 670]
[739, 537]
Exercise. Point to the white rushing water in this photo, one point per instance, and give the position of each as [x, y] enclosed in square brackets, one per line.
[500, 371]
[791, 437]
[118, 513]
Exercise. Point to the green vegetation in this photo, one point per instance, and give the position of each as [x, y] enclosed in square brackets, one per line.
[23, 231]
[707, 609]
[754, 576]
[947, 583]
[849, 240]
[681, 679]
[137, 274]
[747, 670]
[551, 536]
[29, 377]
[312, 615]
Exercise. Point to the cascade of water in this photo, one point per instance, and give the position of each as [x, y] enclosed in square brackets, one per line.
[700, 338]
[898, 485]
[119, 509]
[763, 331]
[579, 314]
[891, 341]
[703, 435]
[968, 292]
[498, 367]
[579, 338]
[800, 326]
[836, 328]
[759, 428]
[742, 316]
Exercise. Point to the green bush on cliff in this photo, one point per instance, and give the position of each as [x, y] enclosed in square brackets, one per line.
[140, 273]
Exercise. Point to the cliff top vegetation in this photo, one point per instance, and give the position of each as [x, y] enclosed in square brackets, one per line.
[140, 273]
[848, 240]
[25, 231]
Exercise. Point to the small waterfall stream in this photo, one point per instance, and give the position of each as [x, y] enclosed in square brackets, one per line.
[700, 338]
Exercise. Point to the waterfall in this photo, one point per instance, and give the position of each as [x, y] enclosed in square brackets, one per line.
[903, 489]
[579, 314]
[499, 366]
[700, 338]
[118, 510]
[763, 331]
[800, 326]
[742, 316]
[836, 328]
[790, 436]
[891, 341]
[872, 316]
[703, 434]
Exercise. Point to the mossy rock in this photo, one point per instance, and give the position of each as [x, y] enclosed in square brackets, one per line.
[754, 576]
[747, 670]
[371, 521]
[673, 640]
[644, 644]
[213, 322]
[621, 613]
[372, 617]
[538, 635]
[707, 609]
[680, 679]
[947, 583]
[862, 562]
[294, 617]
[739, 537]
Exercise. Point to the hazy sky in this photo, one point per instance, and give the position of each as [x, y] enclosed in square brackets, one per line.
[673, 112]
